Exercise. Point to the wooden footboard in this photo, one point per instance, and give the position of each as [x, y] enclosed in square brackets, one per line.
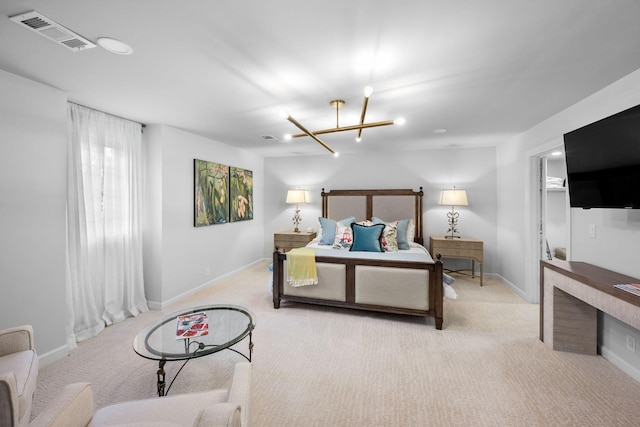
[434, 284]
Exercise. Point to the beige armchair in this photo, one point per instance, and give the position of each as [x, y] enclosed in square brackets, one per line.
[74, 407]
[18, 374]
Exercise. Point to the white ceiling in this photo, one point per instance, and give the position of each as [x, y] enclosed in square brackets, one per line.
[485, 70]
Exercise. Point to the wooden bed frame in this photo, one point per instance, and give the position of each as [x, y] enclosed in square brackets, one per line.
[364, 204]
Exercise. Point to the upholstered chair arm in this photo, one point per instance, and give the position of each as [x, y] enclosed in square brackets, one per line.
[16, 339]
[71, 408]
[240, 390]
[8, 399]
[221, 415]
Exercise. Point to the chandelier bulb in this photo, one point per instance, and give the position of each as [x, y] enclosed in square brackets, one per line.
[336, 154]
[368, 90]
[399, 121]
[287, 136]
[358, 139]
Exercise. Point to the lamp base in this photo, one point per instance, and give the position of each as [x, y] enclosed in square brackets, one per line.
[296, 220]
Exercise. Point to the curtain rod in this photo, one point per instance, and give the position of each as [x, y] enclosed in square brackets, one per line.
[109, 114]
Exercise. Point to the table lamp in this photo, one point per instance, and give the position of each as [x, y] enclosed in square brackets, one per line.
[295, 197]
[453, 198]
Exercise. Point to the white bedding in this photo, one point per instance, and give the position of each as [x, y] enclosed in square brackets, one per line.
[416, 252]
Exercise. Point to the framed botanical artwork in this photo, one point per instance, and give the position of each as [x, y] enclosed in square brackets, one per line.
[211, 193]
[241, 194]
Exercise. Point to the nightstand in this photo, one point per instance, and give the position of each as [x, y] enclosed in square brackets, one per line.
[462, 247]
[286, 240]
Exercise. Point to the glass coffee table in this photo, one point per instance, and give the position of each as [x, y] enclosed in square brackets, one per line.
[195, 332]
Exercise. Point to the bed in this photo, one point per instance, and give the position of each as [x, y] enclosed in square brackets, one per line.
[407, 281]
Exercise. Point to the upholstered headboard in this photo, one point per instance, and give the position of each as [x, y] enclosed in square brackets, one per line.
[389, 205]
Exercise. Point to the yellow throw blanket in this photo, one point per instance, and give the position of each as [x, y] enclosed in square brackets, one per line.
[301, 267]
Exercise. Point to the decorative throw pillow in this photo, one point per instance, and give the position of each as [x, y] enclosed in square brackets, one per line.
[404, 235]
[411, 231]
[344, 236]
[388, 240]
[367, 238]
[328, 229]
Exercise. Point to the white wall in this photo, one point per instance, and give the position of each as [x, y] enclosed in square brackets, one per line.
[471, 169]
[33, 147]
[191, 257]
[33, 135]
[618, 232]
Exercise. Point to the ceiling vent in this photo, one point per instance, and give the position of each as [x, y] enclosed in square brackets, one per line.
[50, 29]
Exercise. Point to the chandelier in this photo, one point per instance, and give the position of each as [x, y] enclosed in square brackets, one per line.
[337, 104]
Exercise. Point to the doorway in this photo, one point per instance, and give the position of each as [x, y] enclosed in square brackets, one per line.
[554, 236]
[548, 215]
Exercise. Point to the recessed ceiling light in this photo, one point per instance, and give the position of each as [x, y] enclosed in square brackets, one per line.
[115, 46]
[441, 130]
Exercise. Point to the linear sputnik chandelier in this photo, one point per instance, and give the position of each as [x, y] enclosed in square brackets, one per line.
[337, 104]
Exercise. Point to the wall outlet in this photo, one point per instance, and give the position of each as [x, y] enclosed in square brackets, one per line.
[207, 271]
[591, 231]
[631, 343]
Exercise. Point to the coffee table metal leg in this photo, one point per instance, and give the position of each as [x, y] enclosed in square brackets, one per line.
[161, 374]
[250, 346]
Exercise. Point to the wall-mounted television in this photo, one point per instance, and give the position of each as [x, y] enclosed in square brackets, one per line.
[603, 162]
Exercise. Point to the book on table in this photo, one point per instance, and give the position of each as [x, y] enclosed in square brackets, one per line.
[192, 325]
[633, 288]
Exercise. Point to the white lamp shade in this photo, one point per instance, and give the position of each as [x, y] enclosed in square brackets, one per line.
[454, 198]
[297, 196]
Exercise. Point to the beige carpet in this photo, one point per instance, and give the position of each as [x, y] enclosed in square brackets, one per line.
[315, 366]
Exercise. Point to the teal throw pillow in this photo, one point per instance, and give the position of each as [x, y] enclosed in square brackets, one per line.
[366, 238]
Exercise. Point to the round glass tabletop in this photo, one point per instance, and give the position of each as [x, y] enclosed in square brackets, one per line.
[195, 332]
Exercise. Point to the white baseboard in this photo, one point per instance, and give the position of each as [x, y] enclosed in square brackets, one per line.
[513, 287]
[624, 366]
[155, 305]
[53, 355]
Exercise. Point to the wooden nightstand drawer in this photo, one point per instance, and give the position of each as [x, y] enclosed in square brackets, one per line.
[467, 248]
[460, 253]
[455, 244]
[458, 248]
[287, 240]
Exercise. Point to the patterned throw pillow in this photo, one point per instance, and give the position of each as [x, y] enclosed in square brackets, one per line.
[405, 231]
[344, 236]
[328, 228]
[388, 240]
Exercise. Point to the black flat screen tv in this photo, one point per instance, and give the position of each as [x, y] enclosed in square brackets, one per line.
[603, 162]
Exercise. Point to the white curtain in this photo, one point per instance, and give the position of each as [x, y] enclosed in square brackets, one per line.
[104, 237]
